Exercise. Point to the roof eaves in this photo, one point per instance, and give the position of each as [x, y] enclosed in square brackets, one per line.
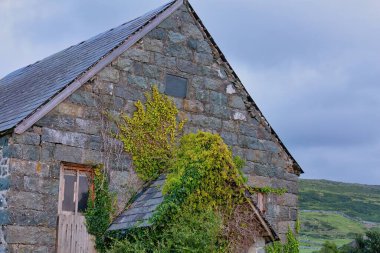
[94, 69]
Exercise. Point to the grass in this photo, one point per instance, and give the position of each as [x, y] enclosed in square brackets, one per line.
[334, 211]
[354, 200]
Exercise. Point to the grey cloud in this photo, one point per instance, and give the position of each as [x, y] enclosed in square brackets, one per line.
[313, 67]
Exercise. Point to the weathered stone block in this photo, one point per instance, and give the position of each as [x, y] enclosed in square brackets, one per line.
[34, 218]
[236, 102]
[153, 45]
[128, 93]
[250, 142]
[83, 98]
[41, 185]
[30, 235]
[258, 156]
[4, 217]
[229, 138]
[213, 84]
[137, 54]
[59, 122]
[165, 61]
[248, 129]
[229, 125]
[13, 151]
[28, 168]
[69, 109]
[138, 80]
[157, 33]
[68, 153]
[176, 37]
[287, 199]
[193, 106]
[217, 98]
[206, 122]
[202, 95]
[25, 200]
[152, 71]
[230, 89]
[17, 248]
[271, 146]
[66, 138]
[87, 126]
[257, 181]
[178, 50]
[28, 138]
[239, 115]
[109, 74]
[203, 58]
[187, 66]
[31, 152]
[124, 63]
[4, 183]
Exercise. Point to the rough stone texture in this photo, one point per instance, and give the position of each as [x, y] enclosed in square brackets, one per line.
[4, 187]
[72, 132]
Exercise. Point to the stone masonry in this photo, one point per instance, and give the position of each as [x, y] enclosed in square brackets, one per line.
[74, 132]
[4, 186]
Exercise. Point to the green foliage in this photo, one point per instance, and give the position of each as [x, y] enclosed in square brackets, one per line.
[267, 190]
[100, 208]
[354, 200]
[203, 186]
[150, 134]
[203, 176]
[291, 245]
[187, 232]
[329, 247]
[368, 244]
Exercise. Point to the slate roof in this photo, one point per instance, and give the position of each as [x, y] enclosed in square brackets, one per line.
[142, 209]
[25, 90]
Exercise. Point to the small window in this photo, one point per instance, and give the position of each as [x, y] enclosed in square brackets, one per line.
[176, 86]
[75, 185]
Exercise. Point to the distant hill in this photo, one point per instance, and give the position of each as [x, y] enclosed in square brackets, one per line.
[354, 200]
[336, 212]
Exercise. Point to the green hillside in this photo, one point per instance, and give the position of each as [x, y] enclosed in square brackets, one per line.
[336, 212]
[354, 200]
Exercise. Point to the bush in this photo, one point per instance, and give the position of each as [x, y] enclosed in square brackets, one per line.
[150, 135]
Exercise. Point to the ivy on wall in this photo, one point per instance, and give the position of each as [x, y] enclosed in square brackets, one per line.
[205, 208]
[100, 208]
[150, 134]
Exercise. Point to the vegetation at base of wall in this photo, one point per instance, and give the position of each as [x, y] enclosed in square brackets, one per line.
[100, 208]
[291, 245]
[186, 233]
[206, 207]
[150, 135]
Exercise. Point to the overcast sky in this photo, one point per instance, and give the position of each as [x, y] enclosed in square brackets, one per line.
[313, 67]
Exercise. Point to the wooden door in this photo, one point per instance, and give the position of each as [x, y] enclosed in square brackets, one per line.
[72, 237]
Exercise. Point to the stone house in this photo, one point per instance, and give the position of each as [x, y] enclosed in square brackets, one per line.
[52, 131]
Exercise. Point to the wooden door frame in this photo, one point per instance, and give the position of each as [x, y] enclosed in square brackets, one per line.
[74, 167]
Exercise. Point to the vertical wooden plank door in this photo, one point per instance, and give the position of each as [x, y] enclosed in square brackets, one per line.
[72, 236]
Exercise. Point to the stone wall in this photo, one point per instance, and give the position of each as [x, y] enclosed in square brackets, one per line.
[4, 186]
[75, 131]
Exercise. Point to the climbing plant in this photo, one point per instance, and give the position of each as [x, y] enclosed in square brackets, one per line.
[150, 134]
[205, 206]
[290, 246]
[100, 208]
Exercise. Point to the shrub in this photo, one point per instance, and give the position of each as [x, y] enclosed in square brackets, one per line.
[150, 134]
[100, 208]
